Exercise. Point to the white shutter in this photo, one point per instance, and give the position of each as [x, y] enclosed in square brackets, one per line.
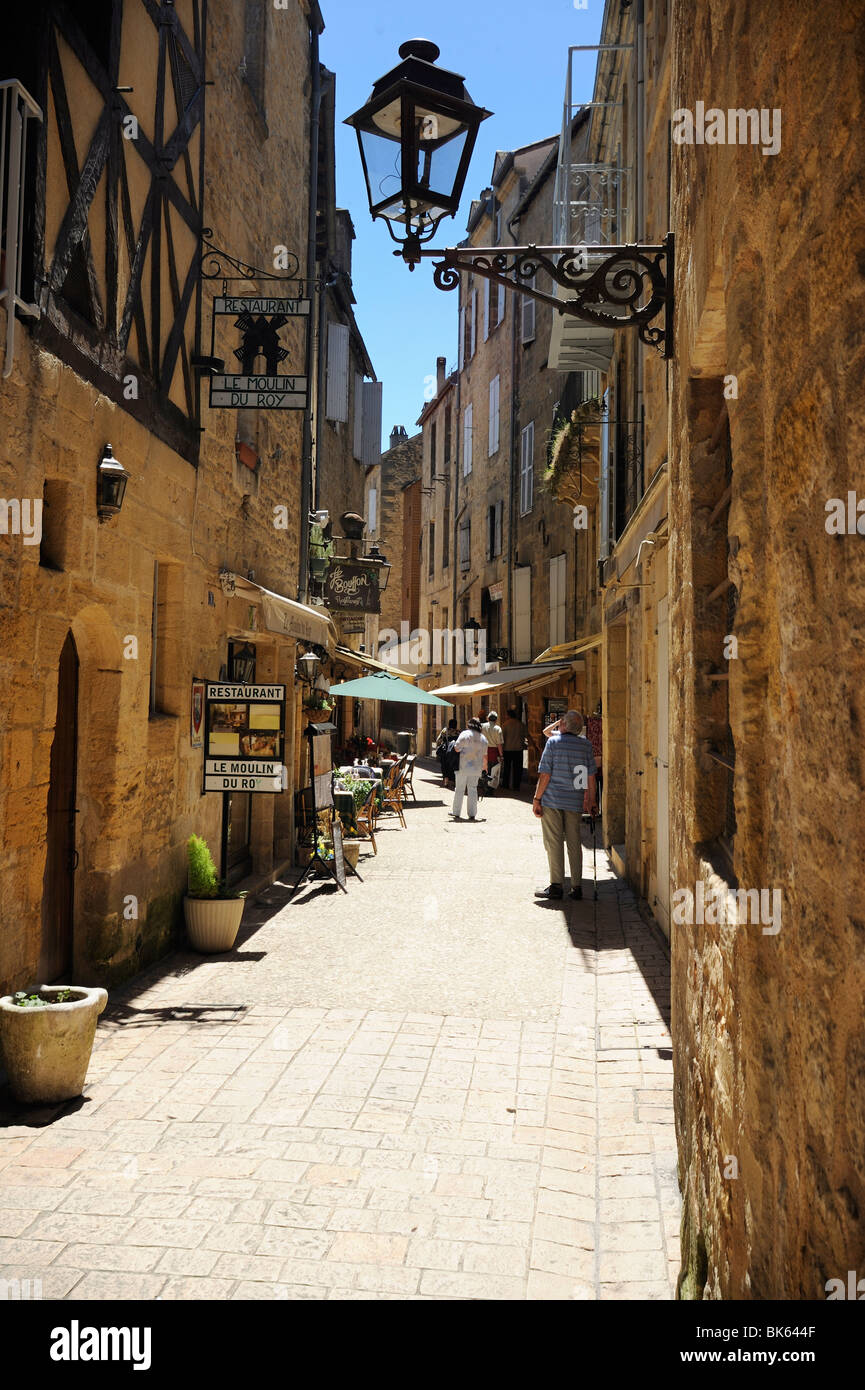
[461, 350]
[558, 579]
[486, 309]
[467, 440]
[371, 427]
[527, 457]
[501, 313]
[528, 325]
[337, 372]
[357, 444]
[523, 614]
[493, 435]
[473, 331]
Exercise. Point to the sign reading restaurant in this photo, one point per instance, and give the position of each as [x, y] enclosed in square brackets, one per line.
[259, 317]
[244, 737]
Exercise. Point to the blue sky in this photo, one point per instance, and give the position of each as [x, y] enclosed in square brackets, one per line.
[514, 60]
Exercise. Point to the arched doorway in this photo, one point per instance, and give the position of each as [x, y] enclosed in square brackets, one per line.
[58, 891]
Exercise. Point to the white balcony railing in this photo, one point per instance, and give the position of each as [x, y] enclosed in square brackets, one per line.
[17, 111]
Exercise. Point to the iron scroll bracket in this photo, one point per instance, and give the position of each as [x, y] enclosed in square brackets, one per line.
[610, 286]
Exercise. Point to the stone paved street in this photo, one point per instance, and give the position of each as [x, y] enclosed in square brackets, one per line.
[433, 1087]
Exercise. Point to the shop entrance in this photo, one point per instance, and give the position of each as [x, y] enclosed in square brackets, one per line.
[58, 892]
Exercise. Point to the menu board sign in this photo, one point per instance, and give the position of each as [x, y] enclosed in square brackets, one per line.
[244, 738]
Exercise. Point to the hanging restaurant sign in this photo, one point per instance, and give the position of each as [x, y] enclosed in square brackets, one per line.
[244, 737]
[273, 330]
[352, 587]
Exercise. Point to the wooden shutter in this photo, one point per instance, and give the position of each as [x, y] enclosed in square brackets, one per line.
[473, 327]
[462, 342]
[337, 372]
[371, 427]
[486, 309]
[558, 580]
[357, 443]
[501, 305]
[523, 614]
[467, 440]
[493, 434]
[528, 324]
[527, 455]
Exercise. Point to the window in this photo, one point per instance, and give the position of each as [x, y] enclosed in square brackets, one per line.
[447, 448]
[465, 545]
[461, 345]
[494, 529]
[55, 516]
[446, 527]
[528, 313]
[467, 440]
[165, 631]
[432, 550]
[371, 502]
[493, 440]
[523, 614]
[473, 324]
[558, 582]
[494, 306]
[336, 407]
[497, 222]
[432, 452]
[527, 467]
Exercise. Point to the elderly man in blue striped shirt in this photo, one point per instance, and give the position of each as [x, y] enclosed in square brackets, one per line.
[566, 787]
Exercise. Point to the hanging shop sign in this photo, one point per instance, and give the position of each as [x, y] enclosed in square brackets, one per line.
[267, 338]
[352, 587]
[244, 737]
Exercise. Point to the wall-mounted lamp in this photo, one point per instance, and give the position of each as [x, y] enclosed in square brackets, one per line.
[375, 556]
[307, 667]
[111, 482]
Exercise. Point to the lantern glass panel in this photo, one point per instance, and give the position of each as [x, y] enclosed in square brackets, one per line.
[382, 156]
[438, 164]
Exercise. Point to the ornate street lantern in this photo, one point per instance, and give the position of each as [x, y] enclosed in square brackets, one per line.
[382, 567]
[416, 136]
[111, 482]
[307, 666]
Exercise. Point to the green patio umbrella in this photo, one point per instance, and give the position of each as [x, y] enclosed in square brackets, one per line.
[382, 686]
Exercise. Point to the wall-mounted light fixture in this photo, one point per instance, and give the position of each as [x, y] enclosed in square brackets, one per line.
[111, 482]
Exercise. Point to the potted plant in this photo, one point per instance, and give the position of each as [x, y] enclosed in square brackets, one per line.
[574, 453]
[320, 552]
[212, 910]
[47, 1038]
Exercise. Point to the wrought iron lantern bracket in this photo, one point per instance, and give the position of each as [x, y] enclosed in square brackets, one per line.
[630, 287]
[218, 264]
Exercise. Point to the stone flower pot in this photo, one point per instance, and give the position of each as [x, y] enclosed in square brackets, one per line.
[212, 924]
[46, 1050]
[351, 850]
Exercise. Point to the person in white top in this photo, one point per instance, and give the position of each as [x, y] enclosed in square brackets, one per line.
[472, 748]
[492, 732]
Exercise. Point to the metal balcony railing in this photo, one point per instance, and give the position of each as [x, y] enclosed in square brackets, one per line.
[17, 110]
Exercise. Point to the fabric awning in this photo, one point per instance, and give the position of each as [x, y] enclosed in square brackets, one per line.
[285, 616]
[368, 663]
[509, 678]
[569, 649]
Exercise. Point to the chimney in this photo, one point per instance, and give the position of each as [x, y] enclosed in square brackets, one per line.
[441, 367]
[397, 435]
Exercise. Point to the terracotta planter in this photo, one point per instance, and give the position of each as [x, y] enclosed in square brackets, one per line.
[212, 924]
[46, 1051]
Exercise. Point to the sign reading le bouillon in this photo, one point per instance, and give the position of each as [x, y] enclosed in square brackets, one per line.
[259, 317]
[352, 587]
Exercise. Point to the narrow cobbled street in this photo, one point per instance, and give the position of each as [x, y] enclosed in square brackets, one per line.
[432, 1087]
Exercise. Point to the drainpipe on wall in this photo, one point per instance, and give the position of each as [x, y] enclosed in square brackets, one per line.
[316, 25]
[514, 463]
[455, 559]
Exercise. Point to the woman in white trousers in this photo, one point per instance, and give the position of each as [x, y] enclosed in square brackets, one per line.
[472, 748]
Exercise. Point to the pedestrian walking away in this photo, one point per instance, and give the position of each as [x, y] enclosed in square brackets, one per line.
[492, 732]
[514, 737]
[444, 751]
[566, 788]
[472, 749]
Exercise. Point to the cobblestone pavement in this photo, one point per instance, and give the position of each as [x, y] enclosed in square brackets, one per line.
[434, 1087]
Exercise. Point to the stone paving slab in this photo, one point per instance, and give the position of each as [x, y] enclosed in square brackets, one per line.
[434, 1087]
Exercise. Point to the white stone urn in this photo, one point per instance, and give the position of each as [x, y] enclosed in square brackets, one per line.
[212, 924]
[46, 1048]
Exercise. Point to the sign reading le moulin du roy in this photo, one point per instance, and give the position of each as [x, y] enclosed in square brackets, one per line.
[244, 737]
[352, 587]
[259, 317]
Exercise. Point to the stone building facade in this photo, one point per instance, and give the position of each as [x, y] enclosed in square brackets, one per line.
[106, 624]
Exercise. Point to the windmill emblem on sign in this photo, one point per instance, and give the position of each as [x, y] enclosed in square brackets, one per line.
[260, 338]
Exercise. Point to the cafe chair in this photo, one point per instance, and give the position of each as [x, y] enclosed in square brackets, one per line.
[365, 819]
[408, 779]
[392, 795]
